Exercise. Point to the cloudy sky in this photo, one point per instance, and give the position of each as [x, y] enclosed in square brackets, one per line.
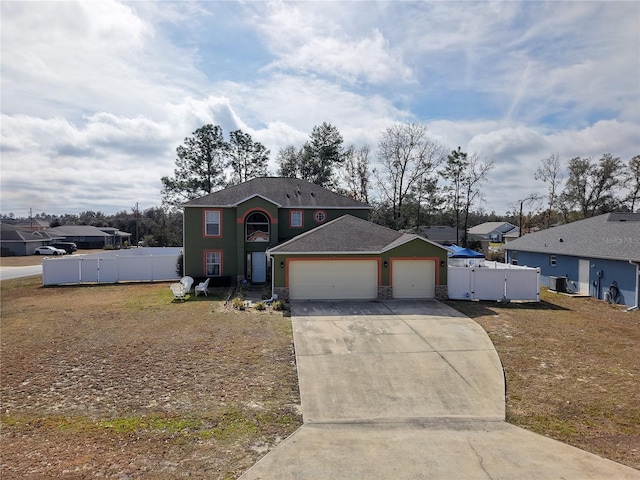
[96, 96]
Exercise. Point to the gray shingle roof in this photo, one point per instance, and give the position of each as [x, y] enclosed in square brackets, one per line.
[488, 227]
[612, 236]
[346, 234]
[10, 233]
[284, 192]
[78, 231]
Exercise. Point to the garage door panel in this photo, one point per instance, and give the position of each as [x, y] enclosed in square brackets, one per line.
[333, 279]
[414, 278]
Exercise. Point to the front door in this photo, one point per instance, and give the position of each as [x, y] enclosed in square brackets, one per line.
[258, 267]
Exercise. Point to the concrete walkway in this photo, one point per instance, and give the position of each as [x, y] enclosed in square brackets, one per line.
[405, 389]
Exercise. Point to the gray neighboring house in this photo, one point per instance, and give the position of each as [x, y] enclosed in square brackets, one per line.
[15, 241]
[444, 235]
[591, 254]
[84, 236]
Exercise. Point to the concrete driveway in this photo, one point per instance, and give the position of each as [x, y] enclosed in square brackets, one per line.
[403, 389]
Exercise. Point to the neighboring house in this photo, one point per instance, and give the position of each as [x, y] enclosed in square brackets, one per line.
[491, 232]
[84, 236]
[512, 235]
[443, 235]
[118, 238]
[591, 253]
[352, 258]
[33, 224]
[15, 241]
[227, 233]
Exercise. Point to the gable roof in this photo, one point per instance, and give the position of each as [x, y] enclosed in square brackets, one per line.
[611, 236]
[488, 227]
[440, 233]
[283, 192]
[13, 234]
[347, 234]
[78, 231]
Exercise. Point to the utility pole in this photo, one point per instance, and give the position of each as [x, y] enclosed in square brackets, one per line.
[531, 198]
[137, 225]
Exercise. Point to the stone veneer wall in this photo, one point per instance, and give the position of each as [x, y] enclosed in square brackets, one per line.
[385, 292]
[282, 292]
[442, 292]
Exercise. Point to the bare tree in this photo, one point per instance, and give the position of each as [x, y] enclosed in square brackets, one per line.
[408, 159]
[476, 174]
[632, 182]
[550, 172]
[355, 173]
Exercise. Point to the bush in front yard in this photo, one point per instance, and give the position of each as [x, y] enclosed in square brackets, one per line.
[238, 303]
[279, 305]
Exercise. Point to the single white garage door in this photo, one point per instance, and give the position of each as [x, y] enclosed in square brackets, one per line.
[333, 279]
[413, 278]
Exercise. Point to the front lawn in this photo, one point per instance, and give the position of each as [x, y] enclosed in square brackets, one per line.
[117, 381]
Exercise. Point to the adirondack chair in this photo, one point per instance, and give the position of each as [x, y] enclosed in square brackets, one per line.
[203, 287]
[178, 291]
[187, 282]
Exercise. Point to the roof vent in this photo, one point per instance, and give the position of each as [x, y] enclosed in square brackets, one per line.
[560, 240]
[313, 194]
[288, 196]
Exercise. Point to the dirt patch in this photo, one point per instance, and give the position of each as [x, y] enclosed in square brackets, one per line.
[120, 382]
[572, 369]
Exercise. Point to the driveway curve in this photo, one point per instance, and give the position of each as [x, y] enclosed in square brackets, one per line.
[409, 389]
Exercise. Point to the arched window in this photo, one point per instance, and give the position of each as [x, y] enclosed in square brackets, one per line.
[257, 227]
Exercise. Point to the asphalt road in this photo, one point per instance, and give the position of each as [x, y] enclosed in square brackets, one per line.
[9, 273]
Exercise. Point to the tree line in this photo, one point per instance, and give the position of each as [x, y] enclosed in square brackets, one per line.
[409, 179]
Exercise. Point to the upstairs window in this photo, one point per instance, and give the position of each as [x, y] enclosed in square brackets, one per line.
[552, 260]
[212, 226]
[296, 218]
[257, 227]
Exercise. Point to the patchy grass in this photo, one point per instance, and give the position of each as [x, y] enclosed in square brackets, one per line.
[573, 370]
[117, 381]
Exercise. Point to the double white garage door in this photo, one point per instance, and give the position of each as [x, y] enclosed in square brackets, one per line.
[358, 279]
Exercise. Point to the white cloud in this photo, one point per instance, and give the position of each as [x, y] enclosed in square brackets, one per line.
[308, 41]
[97, 95]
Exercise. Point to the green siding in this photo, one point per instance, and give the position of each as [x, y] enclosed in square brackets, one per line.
[195, 243]
[232, 242]
[309, 223]
[416, 248]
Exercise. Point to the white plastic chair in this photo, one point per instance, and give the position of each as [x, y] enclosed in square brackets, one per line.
[178, 291]
[187, 282]
[203, 287]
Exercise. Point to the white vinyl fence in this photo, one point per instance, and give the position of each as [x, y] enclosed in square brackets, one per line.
[147, 264]
[494, 281]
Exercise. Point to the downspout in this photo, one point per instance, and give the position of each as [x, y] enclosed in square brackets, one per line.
[637, 264]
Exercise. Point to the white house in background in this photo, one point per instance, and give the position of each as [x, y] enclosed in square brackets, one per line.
[493, 232]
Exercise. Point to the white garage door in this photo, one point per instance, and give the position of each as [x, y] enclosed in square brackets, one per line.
[414, 278]
[333, 279]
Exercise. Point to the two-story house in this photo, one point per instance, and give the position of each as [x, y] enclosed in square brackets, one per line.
[227, 233]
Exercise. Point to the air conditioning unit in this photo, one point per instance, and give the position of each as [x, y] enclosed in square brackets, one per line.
[558, 284]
